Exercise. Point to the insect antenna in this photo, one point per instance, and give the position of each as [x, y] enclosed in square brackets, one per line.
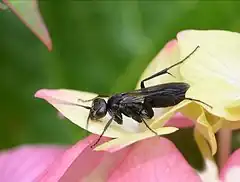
[74, 104]
[104, 130]
[196, 100]
[88, 100]
[184, 59]
[86, 107]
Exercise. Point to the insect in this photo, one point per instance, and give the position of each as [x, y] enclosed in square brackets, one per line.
[138, 104]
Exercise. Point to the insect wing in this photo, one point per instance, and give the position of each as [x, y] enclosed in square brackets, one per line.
[162, 95]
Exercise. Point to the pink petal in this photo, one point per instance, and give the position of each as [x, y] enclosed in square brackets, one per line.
[170, 45]
[26, 163]
[76, 163]
[180, 121]
[231, 170]
[28, 13]
[45, 93]
[152, 160]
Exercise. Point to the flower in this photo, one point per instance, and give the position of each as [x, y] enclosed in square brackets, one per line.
[211, 72]
[152, 160]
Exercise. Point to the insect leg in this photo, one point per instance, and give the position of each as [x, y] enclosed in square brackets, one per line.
[165, 71]
[88, 100]
[88, 120]
[104, 130]
[149, 127]
[196, 100]
[140, 119]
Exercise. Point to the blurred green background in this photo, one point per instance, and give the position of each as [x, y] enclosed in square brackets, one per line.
[99, 47]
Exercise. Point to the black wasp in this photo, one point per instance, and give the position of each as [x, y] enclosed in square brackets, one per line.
[139, 104]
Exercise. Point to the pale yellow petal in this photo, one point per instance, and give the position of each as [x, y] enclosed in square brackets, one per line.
[218, 94]
[192, 111]
[210, 172]
[202, 145]
[161, 120]
[218, 56]
[234, 104]
[204, 127]
[231, 125]
[61, 98]
[116, 144]
[233, 109]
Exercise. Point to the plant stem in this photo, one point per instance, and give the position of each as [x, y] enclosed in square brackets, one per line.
[224, 146]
